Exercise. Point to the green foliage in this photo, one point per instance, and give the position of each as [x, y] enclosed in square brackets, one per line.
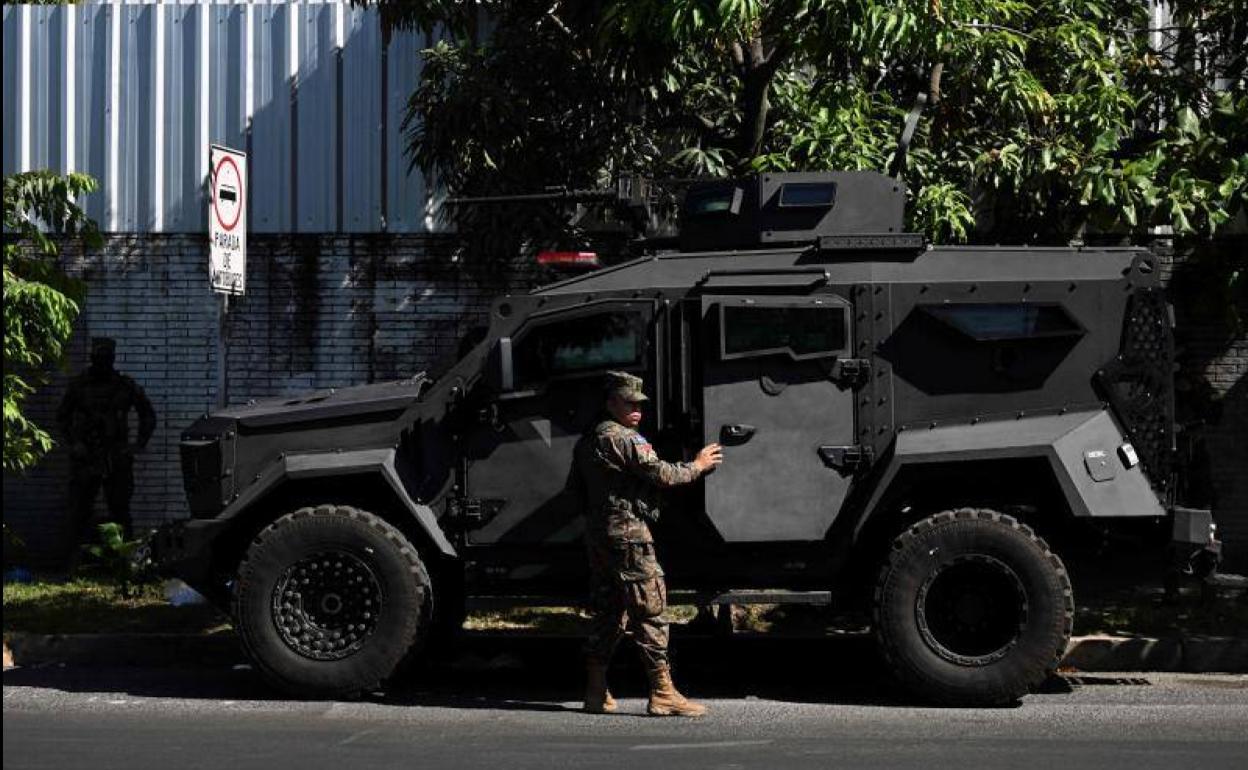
[1048, 121]
[126, 563]
[90, 606]
[40, 301]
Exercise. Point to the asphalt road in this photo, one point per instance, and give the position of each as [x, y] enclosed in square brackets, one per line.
[515, 711]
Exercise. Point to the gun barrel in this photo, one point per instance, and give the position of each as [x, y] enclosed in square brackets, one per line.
[562, 195]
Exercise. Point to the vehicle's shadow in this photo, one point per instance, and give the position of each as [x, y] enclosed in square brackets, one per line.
[540, 673]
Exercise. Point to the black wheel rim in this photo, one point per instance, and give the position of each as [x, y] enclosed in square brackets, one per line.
[972, 610]
[325, 606]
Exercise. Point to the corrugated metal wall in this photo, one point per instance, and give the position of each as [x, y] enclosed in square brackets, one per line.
[132, 93]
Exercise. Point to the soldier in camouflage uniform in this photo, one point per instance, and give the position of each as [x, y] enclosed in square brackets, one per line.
[616, 474]
[94, 419]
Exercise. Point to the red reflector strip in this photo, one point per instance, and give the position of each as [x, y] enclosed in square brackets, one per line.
[568, 258]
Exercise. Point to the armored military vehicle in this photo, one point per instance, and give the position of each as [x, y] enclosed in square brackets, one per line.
[904, 425]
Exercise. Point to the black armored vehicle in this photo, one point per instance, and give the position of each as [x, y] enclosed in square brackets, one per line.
[904, 426]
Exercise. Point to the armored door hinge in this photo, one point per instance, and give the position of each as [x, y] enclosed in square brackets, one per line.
[847, 459]
[850, 372]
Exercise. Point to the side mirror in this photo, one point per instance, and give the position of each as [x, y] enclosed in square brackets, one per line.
[502, 365]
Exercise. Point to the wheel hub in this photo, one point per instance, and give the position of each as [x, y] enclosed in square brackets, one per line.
[331, 604]
[972, 610]
[327, 604]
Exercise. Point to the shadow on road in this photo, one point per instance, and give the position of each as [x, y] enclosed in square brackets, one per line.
[536, 673]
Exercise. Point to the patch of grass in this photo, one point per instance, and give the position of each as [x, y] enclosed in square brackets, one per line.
[803, 620]
[571, 621]
[545, 620]
[84, 606]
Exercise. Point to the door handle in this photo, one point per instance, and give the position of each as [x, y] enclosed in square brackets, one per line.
[732, 435]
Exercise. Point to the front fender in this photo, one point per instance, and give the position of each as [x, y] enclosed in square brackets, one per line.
[296, 466]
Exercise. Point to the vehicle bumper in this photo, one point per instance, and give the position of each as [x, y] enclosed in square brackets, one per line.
[1196, 552]
[184, 549]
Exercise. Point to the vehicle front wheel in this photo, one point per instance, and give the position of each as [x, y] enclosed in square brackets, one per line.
[329, 600]
[972, 608]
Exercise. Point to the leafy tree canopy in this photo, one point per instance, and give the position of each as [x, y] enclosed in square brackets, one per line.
[40, 301]
[1045, 121]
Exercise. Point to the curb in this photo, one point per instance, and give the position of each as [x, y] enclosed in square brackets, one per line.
[1191, 655]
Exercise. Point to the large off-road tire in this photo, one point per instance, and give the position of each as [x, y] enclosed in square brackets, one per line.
[329, 600]
[972, 608]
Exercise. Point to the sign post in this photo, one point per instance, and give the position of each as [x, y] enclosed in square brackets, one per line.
[227, 244]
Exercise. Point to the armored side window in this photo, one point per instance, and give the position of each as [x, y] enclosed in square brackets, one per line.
[612, 340]
[714, 200]
[990, 322]
[801, 332]
[803, 195]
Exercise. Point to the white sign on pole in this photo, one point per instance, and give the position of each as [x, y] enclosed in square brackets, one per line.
[227, 220]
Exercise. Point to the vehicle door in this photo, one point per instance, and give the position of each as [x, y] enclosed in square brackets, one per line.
[520, 453]
[770, 396]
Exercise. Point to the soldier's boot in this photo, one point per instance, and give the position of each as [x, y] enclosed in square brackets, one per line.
[666, 700]
[598, 698]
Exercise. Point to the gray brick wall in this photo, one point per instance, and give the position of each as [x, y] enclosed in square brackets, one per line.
[321, 311]
[326, 311]
[1212, 381]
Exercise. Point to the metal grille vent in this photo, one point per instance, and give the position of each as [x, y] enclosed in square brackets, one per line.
[1139, 383]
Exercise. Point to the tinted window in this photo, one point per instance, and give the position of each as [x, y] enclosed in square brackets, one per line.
[802, 332]
[992, 321]
[806, 194]
[586, 343]
[716, 200]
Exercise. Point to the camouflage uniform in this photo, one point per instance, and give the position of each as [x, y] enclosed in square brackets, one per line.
[94, 418]
[617, 474]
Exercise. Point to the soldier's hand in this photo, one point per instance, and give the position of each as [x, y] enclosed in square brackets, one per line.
[710, 457]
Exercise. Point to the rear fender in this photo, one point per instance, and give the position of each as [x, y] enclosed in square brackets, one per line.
[1086, 452]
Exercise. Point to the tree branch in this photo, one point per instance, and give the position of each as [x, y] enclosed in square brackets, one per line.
[582, 55]
[933, 82]
[993, 28]
[779, 52]
[757, 60]
[550, 14]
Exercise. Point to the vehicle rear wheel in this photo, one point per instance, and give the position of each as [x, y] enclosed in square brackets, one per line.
[329, 600]
[972, 608]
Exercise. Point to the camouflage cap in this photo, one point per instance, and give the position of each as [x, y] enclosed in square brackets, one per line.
[626, 386]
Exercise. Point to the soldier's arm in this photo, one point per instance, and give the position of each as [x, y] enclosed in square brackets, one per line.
[147, 415]
[638, 457]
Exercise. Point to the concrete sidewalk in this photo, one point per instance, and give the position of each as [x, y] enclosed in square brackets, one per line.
[477, 648]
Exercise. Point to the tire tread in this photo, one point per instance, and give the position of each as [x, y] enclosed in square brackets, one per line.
[918, 679]
[415, 567]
